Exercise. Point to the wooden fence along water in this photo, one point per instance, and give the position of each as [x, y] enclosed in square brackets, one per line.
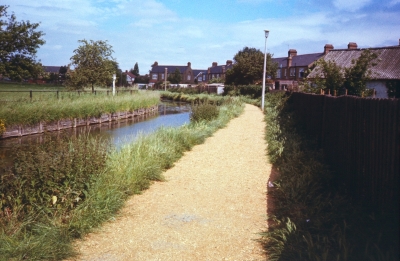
[360, 140]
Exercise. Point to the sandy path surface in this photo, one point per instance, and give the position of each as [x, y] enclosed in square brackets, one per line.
[211, 207]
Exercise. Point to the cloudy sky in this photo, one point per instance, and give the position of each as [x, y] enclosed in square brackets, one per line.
[174, 32]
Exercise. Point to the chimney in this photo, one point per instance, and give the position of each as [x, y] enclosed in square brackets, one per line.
[189, 64]
[229, 62]
[399, 42]
[155, 64]
[352, 45]
[292, 52]
[327, 48]
[214, 64]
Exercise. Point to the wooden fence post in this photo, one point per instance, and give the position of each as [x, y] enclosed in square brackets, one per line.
[30, 94]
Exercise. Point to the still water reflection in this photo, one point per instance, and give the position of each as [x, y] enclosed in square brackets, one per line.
[118, 132]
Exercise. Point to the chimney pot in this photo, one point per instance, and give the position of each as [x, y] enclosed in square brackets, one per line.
[352, 45]
[292, 52]
[214, 64]
[327, 48]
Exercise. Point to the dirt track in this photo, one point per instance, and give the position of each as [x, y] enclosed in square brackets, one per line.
[211, 207]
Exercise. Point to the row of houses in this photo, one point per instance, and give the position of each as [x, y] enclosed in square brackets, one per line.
[294, 67]
[189, 75]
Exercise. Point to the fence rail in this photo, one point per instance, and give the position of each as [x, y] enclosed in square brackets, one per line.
[31, 92]
[360, 139]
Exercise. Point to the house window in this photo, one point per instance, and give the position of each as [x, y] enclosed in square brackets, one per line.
[278, 73]
[301, 73]
[154, 76]
[292, 71]
[162, 76]
[217, 75]
[204, 77]
[188, 77]
[200, 79]
[284, 72]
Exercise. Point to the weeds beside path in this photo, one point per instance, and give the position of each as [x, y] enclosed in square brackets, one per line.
[211, 207]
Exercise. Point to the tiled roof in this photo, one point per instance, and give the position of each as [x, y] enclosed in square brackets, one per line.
[387, 63]
[52, 69]
[171, 68]
[218, 68]
[298, 60]
[196, 72]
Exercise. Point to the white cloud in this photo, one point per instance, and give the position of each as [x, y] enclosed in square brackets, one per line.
[350, 5]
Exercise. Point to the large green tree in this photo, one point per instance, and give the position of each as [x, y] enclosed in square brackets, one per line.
[93, 64]
[248, 67]
[19, 41]
[135, 70]
[175, 77]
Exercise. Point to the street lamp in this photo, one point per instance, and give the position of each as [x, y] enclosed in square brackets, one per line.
[265, 65]
[165, 79]
[114, 77]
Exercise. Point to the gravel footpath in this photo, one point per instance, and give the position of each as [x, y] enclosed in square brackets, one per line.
[211, 207]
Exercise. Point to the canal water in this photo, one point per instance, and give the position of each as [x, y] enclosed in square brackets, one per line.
[118, 132]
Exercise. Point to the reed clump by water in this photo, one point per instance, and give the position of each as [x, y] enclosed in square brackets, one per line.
[70, 106]
[312, 218]
[56, 217]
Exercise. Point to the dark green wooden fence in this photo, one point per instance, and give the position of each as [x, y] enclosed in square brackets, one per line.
[360, 140]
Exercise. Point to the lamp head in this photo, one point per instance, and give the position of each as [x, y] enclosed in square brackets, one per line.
[266, 33]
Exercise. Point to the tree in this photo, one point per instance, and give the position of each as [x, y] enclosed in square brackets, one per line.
[248, 67]
[135, 70]
[175, 77]
[93, 64]
[19, 42]
[333, 77]
[356, 77]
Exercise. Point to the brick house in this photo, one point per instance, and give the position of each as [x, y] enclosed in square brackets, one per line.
[218, 71]
[130, 77]
[157, 73]
[293, 68]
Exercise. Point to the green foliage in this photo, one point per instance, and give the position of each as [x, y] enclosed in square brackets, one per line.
[313, 218]
[356, 77]
[204, 112]
[71, 105]
[331, 77]
[93, 64]
[251, 91]
[393, 88]
[51, 177]
[135, 70]
[334, 78]
[19, 42]
[2, 127]
[216, 80]
[248, 67]
[175, 77]
[42, 236]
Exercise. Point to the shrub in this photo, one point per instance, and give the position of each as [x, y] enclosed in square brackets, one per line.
[2, 127]
[204, 112]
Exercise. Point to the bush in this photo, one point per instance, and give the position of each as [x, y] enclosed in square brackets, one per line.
[2, 127]
[252, 91]
[204, 112]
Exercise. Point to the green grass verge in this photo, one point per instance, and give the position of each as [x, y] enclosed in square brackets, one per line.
[70, 105]
[312, 218]
[48, 235]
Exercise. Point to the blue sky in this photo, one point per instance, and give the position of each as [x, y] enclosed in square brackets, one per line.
[174, 32]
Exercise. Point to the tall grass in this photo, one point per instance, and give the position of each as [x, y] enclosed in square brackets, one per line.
[127, 171]
[73, 106]
[312, 218]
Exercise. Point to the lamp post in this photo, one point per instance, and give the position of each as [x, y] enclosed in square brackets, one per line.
[265, 65]
[165, 79]
[114, 77]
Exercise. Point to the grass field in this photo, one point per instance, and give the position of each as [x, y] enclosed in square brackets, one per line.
[45, 104]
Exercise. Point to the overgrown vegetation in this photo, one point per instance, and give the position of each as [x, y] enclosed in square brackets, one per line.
[71, 105]
[312, 218]
[333, 78]
[204, 112]
[46, 232]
